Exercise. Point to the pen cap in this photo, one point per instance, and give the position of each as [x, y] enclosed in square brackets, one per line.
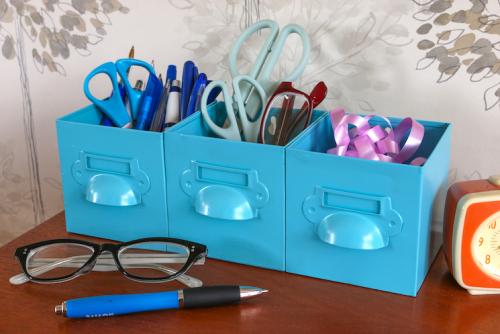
[171, 72]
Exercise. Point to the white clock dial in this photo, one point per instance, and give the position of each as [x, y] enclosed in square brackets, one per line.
[486, 246]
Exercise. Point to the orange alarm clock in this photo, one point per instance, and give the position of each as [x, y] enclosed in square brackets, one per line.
[472, 234]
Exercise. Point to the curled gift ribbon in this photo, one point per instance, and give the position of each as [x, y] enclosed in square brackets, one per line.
[374, 142]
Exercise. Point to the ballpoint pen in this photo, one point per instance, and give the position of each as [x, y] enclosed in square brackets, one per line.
[138, 85]
[159, 116]
[188, 71]
[171, 73]
[196, 92]
[149, 102]
[173, 104]
[213, 93]
[106, 306]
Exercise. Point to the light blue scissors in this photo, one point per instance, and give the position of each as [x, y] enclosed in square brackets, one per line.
[269, 54]
[245, 127]
[114, 107]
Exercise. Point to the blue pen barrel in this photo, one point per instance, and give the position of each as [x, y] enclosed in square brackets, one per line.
[105, 306]
[106, 121]
[143, 118]
[149, 103]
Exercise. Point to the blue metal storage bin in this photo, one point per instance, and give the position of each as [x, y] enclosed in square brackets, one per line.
[113, 179]
[363, 222]
[226, 194]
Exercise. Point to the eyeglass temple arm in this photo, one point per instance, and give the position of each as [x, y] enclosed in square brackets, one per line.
[296, 120]
[284, 118]
[106, 263]
[317, 95]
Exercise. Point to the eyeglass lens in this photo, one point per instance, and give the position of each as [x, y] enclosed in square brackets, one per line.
[57, 260]
[153, 259]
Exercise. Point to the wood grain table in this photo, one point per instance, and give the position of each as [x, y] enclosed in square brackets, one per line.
[294, 303]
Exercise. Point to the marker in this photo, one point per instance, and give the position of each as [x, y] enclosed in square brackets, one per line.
[107, 306]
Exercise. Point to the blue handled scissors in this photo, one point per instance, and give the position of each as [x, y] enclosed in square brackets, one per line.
[270, 54]
[113, 106]
[245, 127]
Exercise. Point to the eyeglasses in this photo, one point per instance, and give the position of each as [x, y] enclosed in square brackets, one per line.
[149, 260]
[288, 112]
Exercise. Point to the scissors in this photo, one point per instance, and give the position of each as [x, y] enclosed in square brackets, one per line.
[269, 54]
[245, 127]
[114, 107]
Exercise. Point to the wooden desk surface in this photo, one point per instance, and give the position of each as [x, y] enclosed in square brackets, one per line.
[294, 303]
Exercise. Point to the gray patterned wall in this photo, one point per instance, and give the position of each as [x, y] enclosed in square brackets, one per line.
[427, 59]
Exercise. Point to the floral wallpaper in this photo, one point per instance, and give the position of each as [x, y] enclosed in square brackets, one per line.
[463, 36]
[430, 59]
[55, 29]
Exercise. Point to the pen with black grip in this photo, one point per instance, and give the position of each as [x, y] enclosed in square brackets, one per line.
[106, 306]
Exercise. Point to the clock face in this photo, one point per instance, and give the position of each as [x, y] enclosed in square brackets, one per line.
[486, 246]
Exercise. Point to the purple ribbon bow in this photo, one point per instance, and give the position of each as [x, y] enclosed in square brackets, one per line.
[374, 142]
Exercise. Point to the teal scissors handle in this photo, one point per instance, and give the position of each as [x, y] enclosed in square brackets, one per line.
[113, 106]
[271, 51]
[134, 96]
[277, 50]
[249, 126]
[231, 132]
[261, 58]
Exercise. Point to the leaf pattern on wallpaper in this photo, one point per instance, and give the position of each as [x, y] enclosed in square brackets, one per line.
[55, 29]
[13, 196]
[351, 41]
[460, 35]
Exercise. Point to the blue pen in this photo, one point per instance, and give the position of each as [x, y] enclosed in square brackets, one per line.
[105, 120]
[195, 97]
[148, 104]
[157, 124]
[107, 306]
[123, 92]
[187, 86]
[195, 74]
[213, 93]
[171, 73]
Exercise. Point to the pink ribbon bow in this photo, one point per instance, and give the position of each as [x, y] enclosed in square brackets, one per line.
[374, 142]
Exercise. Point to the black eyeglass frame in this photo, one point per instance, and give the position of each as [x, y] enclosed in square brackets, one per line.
[196, 252]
